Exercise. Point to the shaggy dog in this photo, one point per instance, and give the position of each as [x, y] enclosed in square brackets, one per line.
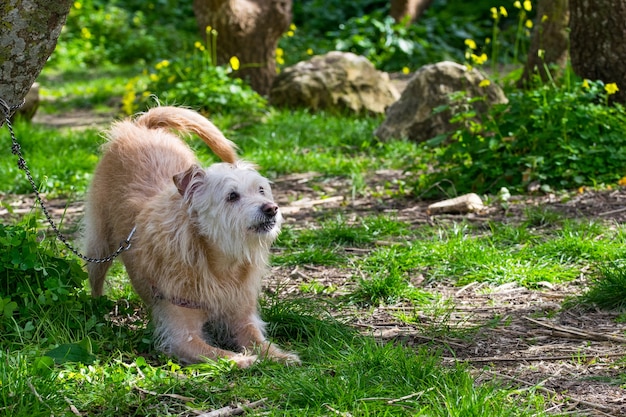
[202, 235]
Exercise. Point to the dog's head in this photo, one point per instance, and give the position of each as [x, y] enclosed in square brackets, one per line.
[233, 205]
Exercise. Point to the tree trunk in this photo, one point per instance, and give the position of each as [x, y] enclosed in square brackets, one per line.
[598, 42]
[249, 30]
[400, 9]
[550, 35]
[29, 30]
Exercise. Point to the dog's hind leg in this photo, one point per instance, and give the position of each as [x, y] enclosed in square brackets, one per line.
[96, 245]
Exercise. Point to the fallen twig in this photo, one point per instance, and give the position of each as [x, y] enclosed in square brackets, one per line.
[234, 411]
[340, 413]
[533, 358]
[156, 394]
[73, 409]
[587, 335]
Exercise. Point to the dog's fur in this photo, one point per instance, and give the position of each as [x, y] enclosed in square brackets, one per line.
[202, 235]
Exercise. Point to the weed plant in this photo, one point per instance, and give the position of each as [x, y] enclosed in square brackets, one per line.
[608, 289]
[559, 136]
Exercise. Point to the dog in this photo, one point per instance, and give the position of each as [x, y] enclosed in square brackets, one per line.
[202, 238]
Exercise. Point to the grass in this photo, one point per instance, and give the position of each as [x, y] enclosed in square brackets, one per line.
[342, 370]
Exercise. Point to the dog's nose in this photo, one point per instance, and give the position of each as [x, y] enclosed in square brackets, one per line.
[269, 209]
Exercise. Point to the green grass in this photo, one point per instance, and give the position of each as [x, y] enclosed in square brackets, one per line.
[342, 370]
[608, 290]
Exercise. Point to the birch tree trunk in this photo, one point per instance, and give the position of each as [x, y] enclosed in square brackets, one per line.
[29, 30]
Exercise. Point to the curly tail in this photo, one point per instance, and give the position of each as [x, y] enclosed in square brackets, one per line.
[188, 121]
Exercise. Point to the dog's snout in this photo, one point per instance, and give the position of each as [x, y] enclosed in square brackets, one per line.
[269, 209]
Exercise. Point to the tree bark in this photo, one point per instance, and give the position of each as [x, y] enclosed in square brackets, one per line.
[598, 42]
[400, 9]
[249, 30]
[29, 30]
[550, 35]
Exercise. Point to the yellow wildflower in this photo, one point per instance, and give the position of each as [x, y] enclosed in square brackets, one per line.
[517, 5]
[528, 5]
[494, 13]
[234, 63]
[280, 60]
[85, 33]
[290, 33]
[479, 59]
[198, 45]
[279, 52]
[208, 29]
[78, 5]
[586, 83]
[163, 64]
[292, 27]
[622, 181]
[470, 43]
[544, 18]
[611, 88]
[154, 78]
[503, 11]
[484, 83]
[529, 24]
[405, 70]
[309, 51]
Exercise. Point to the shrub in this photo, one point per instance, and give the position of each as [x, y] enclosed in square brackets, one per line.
[196, 81]
[33, 274]
[99, 32]
[558, 136]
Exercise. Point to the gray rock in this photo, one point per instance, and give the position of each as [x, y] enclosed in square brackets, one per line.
[430, 87]
[337, 82]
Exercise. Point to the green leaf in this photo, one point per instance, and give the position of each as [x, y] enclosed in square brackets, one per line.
[73, 352]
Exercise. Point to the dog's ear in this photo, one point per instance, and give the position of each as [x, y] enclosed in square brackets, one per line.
[187, 182]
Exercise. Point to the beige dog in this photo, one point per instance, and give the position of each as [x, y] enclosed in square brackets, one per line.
[202, 235]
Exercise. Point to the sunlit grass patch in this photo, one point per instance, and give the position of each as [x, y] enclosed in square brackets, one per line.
[61, 161]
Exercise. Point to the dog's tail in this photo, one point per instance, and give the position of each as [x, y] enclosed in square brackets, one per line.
[189, 121]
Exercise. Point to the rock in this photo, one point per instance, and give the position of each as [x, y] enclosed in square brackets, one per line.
[336, 81]
[412, 115]
[467, 203]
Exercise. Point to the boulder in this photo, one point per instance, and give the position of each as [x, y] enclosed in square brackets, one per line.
[337, 82]
[430, 88]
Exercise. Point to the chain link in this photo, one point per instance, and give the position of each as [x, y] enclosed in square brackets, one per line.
[16, 149]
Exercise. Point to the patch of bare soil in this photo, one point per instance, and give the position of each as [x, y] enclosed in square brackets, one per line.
[523, 338]
[520, 337]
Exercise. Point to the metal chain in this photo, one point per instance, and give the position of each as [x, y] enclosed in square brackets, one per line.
[21, 163]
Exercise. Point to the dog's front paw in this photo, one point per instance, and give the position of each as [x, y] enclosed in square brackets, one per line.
[290, 359]
[286, 358]
[244, 361]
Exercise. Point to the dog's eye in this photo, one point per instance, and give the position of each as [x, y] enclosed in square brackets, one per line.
[232, 197]
[262, 190]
